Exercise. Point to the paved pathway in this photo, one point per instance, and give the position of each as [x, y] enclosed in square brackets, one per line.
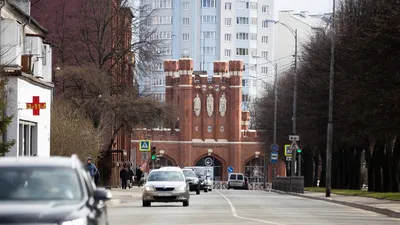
[244, 208]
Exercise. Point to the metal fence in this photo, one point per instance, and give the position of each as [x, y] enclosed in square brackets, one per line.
[220, 185]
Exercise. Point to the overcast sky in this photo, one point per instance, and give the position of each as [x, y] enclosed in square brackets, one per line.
[313, 6]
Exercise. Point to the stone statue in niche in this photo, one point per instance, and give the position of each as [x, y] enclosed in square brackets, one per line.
[197, 105]
[222, 105]
[210, 105]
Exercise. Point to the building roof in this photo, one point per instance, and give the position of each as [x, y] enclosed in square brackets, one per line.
[313, 20]
[28, 17]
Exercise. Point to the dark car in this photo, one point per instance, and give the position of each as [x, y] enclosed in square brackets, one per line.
[50, 190]
[201, 173]
[194, 182]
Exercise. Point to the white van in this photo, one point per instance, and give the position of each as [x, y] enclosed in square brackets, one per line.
[236, 180]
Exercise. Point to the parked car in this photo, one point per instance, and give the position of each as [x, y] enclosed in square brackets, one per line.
[194, 184]
[205, 181]
[167, 184]
[51, 190]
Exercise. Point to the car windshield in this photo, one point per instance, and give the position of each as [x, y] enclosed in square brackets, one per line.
[166, 176]
[39, 183]
[189, 173]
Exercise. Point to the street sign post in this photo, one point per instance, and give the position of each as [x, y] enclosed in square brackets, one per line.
[274, 147]
[144, 146]
[274, 157]
[230, 169]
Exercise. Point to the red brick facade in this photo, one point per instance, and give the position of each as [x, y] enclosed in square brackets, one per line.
[210, 117]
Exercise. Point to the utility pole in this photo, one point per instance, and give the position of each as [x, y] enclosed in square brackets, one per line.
[330, 120]
[294, 131]
[275, 108]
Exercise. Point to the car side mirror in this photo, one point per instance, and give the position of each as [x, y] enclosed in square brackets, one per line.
[187, 179]
[102, 194]
[199, 177]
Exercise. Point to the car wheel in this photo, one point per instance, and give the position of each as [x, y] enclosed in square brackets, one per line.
[210, 189]
[146, 203]
[206, 190]
[197, 191]
[186, 203]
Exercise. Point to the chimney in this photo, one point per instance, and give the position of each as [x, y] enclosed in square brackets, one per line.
[245, 120]
[304, 14]
[24, 5]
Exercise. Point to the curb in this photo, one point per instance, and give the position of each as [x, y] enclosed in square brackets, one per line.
[387, 212]
[114, 202]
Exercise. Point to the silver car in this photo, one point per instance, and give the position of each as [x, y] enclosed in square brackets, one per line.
[167, 184]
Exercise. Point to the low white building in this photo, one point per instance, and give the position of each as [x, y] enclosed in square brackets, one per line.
[25, 59]
[307, 25]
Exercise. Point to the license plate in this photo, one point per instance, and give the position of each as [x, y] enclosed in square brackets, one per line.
[164, 194]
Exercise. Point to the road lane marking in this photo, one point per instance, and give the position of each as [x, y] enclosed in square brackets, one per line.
[245, 218]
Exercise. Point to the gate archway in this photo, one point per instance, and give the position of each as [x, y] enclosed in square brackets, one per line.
[161, 162]
[254, 169]
[214, 163]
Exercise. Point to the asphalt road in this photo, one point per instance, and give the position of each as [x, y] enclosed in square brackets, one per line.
[244, 208]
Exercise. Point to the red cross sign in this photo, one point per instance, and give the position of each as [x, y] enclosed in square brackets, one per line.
[36, 106]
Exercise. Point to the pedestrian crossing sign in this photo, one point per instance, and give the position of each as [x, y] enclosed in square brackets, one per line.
[144, 145]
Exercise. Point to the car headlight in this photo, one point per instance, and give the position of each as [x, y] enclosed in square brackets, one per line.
[181, 188]
[81, 221]
[148, 188]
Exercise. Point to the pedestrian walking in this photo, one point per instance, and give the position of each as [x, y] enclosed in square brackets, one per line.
[139, 174]
[130, 177]
[123, 174]
[91, 168]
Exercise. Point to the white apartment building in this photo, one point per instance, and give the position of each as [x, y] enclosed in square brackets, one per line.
[25, 58]
[307, 26]
[212, 30]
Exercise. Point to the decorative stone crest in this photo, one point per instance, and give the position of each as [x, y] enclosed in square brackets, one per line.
[198, 87]
[223, 88]
[210, 105]
[204, 87]
[221, 128]
[197, 105]
[209, 128]
[216, 88]
[196, 128]
[222, 105]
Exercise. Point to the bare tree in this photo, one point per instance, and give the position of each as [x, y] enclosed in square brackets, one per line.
[72, 132]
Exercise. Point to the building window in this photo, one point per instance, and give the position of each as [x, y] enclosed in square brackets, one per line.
[185, 22]
[228, 37]
[208, 51]
[162, 4]
[44, 55]
[242, 51]
[185, 5]
[208, 19]
[253, 36]
[185, 52]
[253, 20]
[162, 35]
[242, 36]
[242, 4]
[228, 22]
[228, 6]
[185, 37]
[242, 20]
[245, 82]
[227, 53]
[162, 19]
[245, 98]
[264, 39]
[27, 139]
[159, 66]
[264, 70]
[253, 5]
[264, 55]
[164, 51]
[208, 3]
[208, 35]
[265, 9]
[264, 24]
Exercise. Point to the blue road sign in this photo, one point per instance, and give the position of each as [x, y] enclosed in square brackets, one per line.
[274, 147]
[230, 169]
[144, 145]
[274, 157]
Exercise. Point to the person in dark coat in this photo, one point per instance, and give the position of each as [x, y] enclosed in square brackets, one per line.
[123, 174]
[130, 177]
[139, 174]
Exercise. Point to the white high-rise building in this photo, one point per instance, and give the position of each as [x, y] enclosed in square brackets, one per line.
[212, 30]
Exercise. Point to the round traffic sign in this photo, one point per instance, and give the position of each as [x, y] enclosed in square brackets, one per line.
[274, 147]
[230, 169]
[208, 161]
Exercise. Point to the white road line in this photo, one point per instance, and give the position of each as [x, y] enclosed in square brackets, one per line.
[245, 218]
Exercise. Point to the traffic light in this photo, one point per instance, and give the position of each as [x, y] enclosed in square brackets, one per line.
[299, 151]
[153, 153]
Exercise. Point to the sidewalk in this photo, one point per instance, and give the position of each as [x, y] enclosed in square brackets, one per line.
[386, 207]
[121, 195]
